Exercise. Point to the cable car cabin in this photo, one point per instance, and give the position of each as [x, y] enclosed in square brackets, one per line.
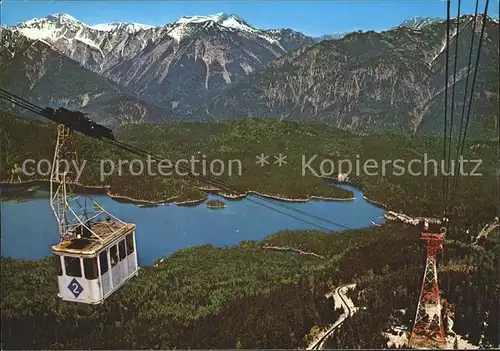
[88, 270]
[79, 121]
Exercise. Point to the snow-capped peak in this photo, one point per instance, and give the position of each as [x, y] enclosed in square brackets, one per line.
[52, 26]
[223, 19]
[128, 27]
[199, 19]
[59, 26]
[56, 18]
[226, 21]
[63, 16]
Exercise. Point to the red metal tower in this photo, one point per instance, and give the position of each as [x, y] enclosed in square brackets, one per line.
[428, 328]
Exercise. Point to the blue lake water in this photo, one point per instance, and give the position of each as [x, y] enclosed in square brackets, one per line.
[28, 229]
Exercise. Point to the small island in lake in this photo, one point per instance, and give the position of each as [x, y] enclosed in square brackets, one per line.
[215, 204]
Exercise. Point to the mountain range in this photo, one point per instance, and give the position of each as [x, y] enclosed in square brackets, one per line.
[221, 67]
[164, 65]
[370, 82]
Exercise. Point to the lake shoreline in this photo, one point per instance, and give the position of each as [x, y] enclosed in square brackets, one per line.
[377, 203]
[171, 216]
[25, 185]
[194, 202]
[105, 190]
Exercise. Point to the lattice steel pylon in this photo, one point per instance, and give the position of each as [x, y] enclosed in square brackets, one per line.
[59, 179]
[69, 213]
[428, 330]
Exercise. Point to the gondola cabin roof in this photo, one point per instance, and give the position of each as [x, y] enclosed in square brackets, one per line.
[109, 232]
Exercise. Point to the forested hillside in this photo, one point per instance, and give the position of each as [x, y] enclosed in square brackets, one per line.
[248, 296]
[303, 143]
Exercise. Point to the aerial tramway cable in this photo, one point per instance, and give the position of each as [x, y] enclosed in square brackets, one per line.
[223, 185]
[464, 102]
[19, 101]
[36, 109]
[226, 187]
[450, 193]
[452, 107]
[445, 134]
[461, 144]
[446, 152]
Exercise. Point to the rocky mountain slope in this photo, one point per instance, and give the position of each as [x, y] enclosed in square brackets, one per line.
[369, 82]
[35, 70]
[330, 37]
[412, 23]
[127, 109]
[221, 67]
[171, 63]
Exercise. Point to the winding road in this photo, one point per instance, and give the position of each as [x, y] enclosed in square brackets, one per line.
[349, 309]
[286, 248]
[488, 228]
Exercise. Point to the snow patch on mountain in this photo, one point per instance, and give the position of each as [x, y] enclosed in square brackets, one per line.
[223, 48]
[105, 27]
[181, 27]
[419, 22]
[199, 19]
[64, 26]
[178, 32]
[89, 43]
[39, 33]
[52, 27]
[56, 17]
[128, 27]
[223, 19]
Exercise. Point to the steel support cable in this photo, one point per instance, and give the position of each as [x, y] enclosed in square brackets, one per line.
[13, 100]
[223, 185]
[286, 214]
[445, 134]
[12, 97]
[464, 103]
[21, 103]
[475, 75]
[229, 187]
[450, 134]
[219, 183]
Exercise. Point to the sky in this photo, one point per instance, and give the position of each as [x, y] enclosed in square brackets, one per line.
[314, 18]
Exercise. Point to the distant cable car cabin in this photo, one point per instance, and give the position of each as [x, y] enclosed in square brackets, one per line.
[97, 251]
